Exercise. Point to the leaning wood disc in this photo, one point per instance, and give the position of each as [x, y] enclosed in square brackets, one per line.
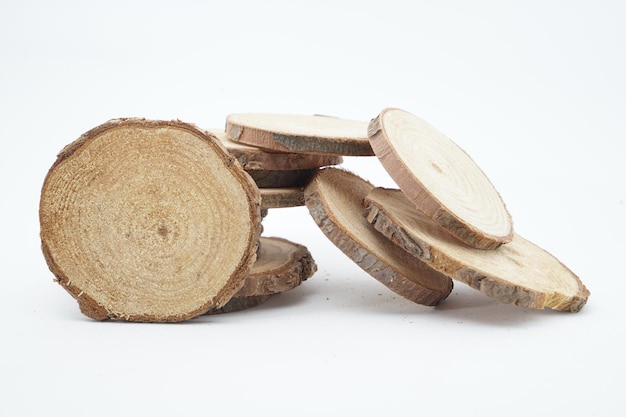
[255, 158]
[335, 200]
[149, 221]
[281, 197]
[300, 133]
[440, 179]
[281, 266]
[519, 272]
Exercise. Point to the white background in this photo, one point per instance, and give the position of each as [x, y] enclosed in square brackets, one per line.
[534, 91]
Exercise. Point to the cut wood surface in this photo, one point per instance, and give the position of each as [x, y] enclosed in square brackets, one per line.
[519, 272]
[281, 266]
[300, 133]
[281, 179]
[241, 303]
[335, 200]
[255, 158]
[149, 221]
[281, 197]
[440, 179]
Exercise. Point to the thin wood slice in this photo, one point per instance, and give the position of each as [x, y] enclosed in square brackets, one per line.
[335, 200]
[300, 133]
[281, 179]
[241, 303]
[255, 158]
[281, 266]
[149, 221]
[519, 272]
[440, 179]
[281, 197]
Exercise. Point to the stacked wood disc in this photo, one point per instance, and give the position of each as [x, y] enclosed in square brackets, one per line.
[281, 266]
[149, 221]
[271, 169]
[300, 133]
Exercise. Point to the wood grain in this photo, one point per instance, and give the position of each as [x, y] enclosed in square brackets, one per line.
[149, 221]
[300, 133]
[335, 200]
[255, 158]
[440, 179]
[281, 266]
[281, 197]
[519, 272]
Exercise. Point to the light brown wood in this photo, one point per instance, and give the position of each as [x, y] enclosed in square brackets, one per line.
[335, 200]
[255, 158]
[300, 133]
[281, 197]
[281, 179]
[440, 179]
[281, 266]
[519, 272]
[149, 221]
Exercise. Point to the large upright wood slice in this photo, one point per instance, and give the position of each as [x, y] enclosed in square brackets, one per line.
[300, 133]
[335, 200]
[440, 179]
[149, 221]
[281, 266]
[519, 272]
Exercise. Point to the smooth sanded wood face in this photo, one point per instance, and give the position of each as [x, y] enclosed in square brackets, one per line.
[281, 197]
[518, 272]
[335, 200]
[254, 158]
[440, 179]
[300, 133]
[148, 221]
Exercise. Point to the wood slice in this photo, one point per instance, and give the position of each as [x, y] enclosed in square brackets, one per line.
[149, 221]
[335, 200]
[440, 179]
[281, 197]
[281, 266]
[280, 179]
[255, 158]
[241, 303]
[519, 272]
[300, 133]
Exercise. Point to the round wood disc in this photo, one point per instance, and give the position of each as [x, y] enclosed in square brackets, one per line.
[335, 200]
[281, 179]
[300, 133]
[281, 197]
[255, 158]
[149, 221]
[241, 303]
[440, 179]
[281, 266]
[519, 272]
